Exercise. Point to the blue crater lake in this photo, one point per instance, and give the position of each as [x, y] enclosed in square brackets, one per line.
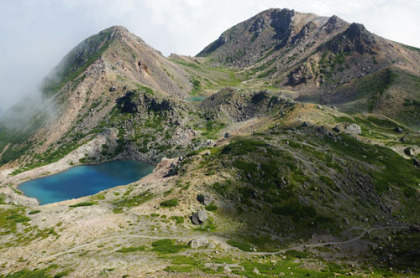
[196, 99]
[84, 180]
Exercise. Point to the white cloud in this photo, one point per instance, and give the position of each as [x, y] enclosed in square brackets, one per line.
[36, 34]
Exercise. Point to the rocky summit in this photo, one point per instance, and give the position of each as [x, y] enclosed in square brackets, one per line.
[287, 147]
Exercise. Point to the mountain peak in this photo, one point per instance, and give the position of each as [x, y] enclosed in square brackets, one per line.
[250, 40]
[116, 31]
[334, 23]
[117, 28]
[356, 29]
[354, 38]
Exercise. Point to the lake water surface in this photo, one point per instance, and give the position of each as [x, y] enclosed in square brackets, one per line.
[196, 99]
[84, 180]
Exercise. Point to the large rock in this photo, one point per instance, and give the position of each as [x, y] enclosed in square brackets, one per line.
[305, 124]
[398, 129]
[409, 151]
[204, 199]
[199, 242]
[353, 129]
[337, 129]
[199, 217]
[324, 131]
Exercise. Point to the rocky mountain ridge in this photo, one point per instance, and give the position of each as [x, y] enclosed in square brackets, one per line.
[317, 58]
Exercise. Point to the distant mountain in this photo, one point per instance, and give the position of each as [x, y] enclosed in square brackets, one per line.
[82, 91]
[117, 52]
[323, 59]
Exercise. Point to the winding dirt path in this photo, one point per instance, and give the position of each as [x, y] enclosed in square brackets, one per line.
[223, 240]
[328, 243]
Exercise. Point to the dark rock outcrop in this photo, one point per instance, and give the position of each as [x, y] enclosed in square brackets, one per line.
[126, 103]
[398, 129]
[204, 199]
[133, 102]
[409, 151]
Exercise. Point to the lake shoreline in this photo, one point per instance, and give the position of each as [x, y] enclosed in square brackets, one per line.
[13, 182]
[84, 180]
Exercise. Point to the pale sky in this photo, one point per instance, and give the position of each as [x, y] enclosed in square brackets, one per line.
[36, 34]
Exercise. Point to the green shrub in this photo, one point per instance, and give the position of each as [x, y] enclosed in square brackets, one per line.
[296, 211]
[128, 201]
[177, 219]
[83, 204]
[166, 246]
[211, 207]
[131, 249]
[34, 212]
[169, 203]
[241, 245]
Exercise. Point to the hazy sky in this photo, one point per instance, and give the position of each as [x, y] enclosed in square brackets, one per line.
[36, 34]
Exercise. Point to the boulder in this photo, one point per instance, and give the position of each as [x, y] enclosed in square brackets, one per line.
[204, 199]
[194, 219]
[202, 215]
[226, 269]
[227, 135]
[398, 129]
[199, 217]
[337, 129]
[305, 124]
[199, 242]
[353, 129]
[415, 228]
[112, 89]
[409, 151]
[324, 131]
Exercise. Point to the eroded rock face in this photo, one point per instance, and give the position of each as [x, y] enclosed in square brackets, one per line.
[134, 102]
[301, 75]
[239, 106]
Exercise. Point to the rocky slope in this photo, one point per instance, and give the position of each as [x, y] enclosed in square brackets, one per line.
[273, 196]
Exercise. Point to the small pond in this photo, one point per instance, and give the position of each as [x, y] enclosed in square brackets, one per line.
[84, 180]
[195, 99]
